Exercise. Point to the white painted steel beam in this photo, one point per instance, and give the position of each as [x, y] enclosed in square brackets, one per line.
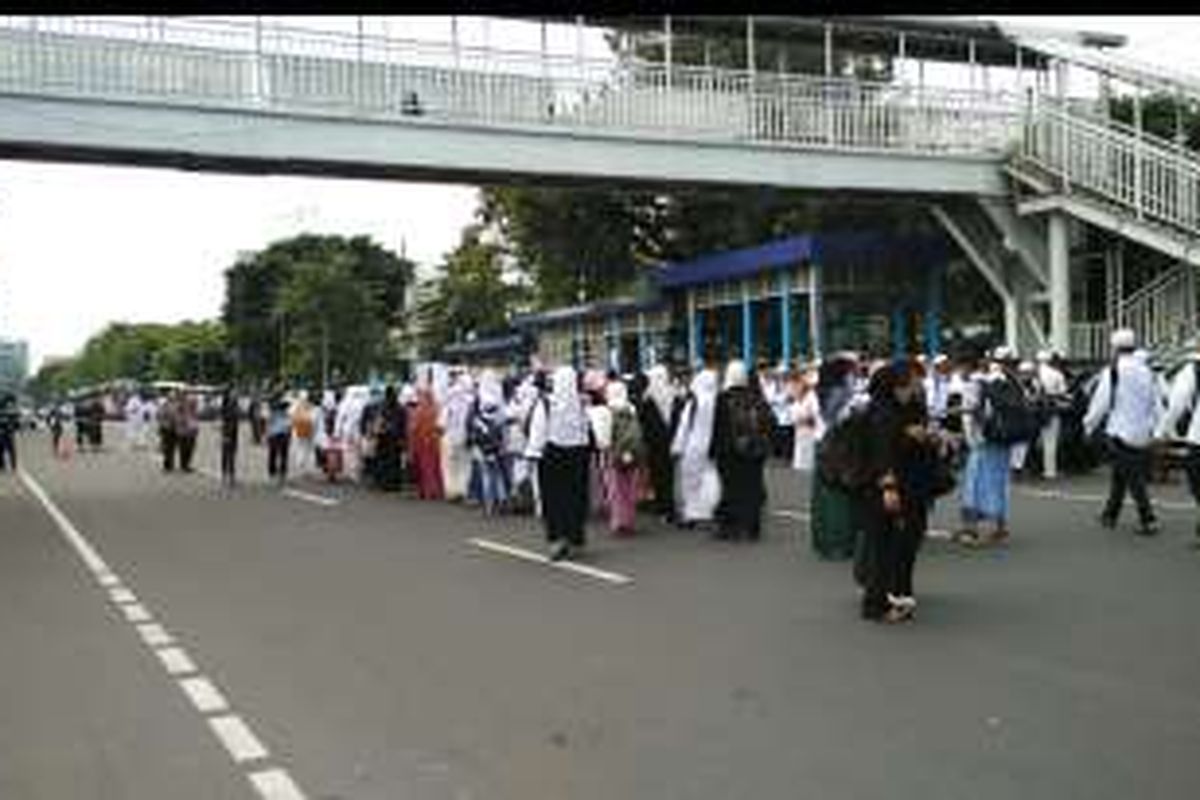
[256, 142]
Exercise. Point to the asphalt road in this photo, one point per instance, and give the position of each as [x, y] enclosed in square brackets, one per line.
[374, 651]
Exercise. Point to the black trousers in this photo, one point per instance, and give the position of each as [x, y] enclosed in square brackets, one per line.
[187, 448]
[663, 479]
[8, 452]
[1191, 468]
[887, 554]
[1130, 472]
[563, 478]
[228, 459]
[277, 454]
[169, 442]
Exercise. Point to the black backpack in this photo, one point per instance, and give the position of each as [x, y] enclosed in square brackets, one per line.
[1009, 417]
[747, 425]
[485, 432]
[842, 455]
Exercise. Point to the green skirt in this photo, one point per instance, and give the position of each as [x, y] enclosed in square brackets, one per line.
[833, 530]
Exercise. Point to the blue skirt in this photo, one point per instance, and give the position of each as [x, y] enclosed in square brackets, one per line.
[985, 483]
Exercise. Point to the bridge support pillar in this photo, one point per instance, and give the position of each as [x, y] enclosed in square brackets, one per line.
[1058, 245]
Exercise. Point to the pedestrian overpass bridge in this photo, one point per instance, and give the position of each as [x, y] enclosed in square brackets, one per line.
[1003, 169]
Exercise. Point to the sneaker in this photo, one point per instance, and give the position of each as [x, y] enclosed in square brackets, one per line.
[1148, 529]
[559, 551]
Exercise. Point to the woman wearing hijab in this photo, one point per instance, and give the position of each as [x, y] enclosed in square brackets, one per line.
[625, 458]
[654, 414]
[699, 483]
[230, 419]
[898, 453]
[806, 417]
[389, 444]
[834, 527]
[425, 445]
[558, 441]
[518, 412]
[304, 431]
[456, 456]
[600, 419]
[486, 426]
[742, 430]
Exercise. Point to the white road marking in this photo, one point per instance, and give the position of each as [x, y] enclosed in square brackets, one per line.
[204, 695]
[309, 497]
[1056, 494]
[136, 612]
[176, 660]
[90, 557]
[238, 739]
[154, 635]
[792, 514]
[275, 784]
[569, 566]
[122, 596]
[939, 533]
[235, 735]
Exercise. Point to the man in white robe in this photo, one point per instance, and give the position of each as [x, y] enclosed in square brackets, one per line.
[699, 482]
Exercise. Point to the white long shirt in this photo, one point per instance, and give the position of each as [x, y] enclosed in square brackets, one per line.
[1052, 381]
[937, 393]
[1136, 409]
[1182, 397]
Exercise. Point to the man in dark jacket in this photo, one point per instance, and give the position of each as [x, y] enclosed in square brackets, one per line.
[10, 422]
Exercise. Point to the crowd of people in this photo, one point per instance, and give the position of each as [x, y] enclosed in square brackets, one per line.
[879, 441]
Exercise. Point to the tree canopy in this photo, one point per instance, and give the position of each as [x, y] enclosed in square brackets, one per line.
[313, 304]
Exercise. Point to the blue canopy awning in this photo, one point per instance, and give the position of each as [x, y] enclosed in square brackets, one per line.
[827, 249]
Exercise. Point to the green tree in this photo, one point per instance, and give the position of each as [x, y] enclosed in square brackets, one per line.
[1159, 116]
[471, 296]
[267, 337]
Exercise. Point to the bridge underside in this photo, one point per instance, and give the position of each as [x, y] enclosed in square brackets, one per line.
[429, 151]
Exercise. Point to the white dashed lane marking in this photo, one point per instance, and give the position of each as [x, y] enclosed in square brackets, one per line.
[272, 783]
[204, 695]
[176, 660]
[538, 558]
[309, 497]
[275, 784]
[153, 634]
[238, 739]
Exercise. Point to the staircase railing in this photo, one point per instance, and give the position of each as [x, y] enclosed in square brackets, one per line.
[1163, 314]
[1143, 176]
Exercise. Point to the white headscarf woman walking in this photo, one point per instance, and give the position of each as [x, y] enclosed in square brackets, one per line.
[558, 441]
[699, 483]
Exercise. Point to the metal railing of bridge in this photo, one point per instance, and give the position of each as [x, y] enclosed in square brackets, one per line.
[1164, 311]
[243, 66]
[1145, 177]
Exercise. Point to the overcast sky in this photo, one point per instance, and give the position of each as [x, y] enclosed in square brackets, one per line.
[80, 246]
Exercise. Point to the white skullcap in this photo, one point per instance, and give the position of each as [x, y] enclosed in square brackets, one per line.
[1003, 353]
[1044, 356]
[1123, 339]
[1026, 366]
[941, 358]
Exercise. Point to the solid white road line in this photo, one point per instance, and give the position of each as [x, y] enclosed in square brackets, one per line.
[204, 695]
[90, 557]
[309, 497]
[153, 634]
[122, 596]
[238, 739]
[135, 612]
[569, 566]
[792, 514]
[275, 784]
[108, 579]
[176, 660]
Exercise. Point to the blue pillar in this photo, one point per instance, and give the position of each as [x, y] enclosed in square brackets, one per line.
[803, 343]
[899, 331]
[747, 329]
[614, 344]
[699, 340]
[933, 309]
[785, 318]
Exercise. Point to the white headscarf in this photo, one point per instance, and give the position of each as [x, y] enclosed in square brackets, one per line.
[617, 396]
[660, 391]
[694, 435]
[736, 374]
[491, 392]
[454, 411]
